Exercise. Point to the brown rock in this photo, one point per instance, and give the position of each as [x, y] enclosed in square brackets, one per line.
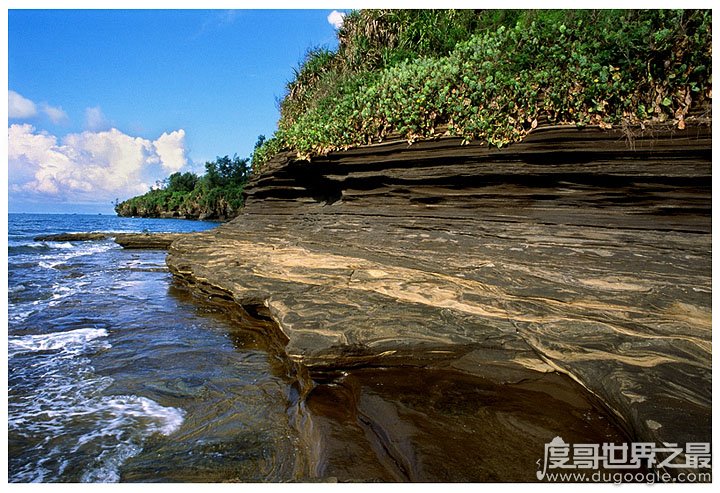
[148, 241]
[583, 251]
[156, 241]
[73, 237]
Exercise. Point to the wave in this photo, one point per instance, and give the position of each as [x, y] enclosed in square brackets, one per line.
[64, 245]
[75, 341]
[119, 415]
[50, 255]
[16, 246]
[56, 393]
[16, 289]
[24, 301]
[78, 251]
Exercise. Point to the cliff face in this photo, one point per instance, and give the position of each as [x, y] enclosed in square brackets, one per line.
[587, 252]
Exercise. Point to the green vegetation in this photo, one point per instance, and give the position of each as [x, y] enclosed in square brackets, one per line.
[215, 195]
[492, 75]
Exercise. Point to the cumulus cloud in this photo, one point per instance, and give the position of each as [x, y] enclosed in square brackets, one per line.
[88, 166]
[336, 19]
[170, 148]
[56, 114]
[95, 120]
[20, 107]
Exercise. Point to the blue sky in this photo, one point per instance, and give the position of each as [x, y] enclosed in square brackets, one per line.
[104, 102]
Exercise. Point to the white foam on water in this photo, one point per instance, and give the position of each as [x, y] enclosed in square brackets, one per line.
[44, 245]
[110, 461]
[121, 413]
[58, 409]
[21, 310]
[16, 289]
[91, 248]
[71, 341]
[19, 315]
[25, 243]
[64, 245]
[87, 248]
[62, 291]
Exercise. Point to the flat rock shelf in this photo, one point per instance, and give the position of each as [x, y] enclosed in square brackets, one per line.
[144, 241]
[579, 252]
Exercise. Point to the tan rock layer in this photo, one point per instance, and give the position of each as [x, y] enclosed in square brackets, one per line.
[584, 251]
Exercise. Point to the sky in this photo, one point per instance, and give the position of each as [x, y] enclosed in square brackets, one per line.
[103, 103]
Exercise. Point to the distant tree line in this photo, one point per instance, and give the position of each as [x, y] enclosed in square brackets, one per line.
[217, 194]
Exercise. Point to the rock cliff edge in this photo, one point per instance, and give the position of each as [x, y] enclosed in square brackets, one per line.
[586, 252]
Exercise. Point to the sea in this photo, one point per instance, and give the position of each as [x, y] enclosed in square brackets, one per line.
[117, 373]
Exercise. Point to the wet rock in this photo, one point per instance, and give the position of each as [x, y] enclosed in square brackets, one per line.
[585, 252]
[148, 241]
[73, 237]
[396, 424]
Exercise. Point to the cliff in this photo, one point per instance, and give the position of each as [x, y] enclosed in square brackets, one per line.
[585, 252]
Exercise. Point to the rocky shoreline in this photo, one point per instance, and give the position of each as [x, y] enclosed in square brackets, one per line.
[146, 241]
[585, 252]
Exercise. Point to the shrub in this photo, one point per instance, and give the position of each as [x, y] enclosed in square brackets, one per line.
[491, 75]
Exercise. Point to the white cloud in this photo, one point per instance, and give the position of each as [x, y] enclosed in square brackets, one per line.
[20, 107]
[56, 114]
[170, 147]
[88, 166]
[95, 120]
[336, 19]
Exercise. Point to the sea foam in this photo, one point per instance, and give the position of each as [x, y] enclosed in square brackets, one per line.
[56, 393]
[71, 341]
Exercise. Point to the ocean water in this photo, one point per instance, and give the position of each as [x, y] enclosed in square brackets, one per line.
[117, 374]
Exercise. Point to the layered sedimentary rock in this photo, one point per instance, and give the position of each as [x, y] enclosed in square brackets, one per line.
[147, 241]
[94, 236]
[585, 252]
[144, 241]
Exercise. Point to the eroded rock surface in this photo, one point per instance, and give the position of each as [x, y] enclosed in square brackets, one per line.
[95, 236]
[586, 252]
[146, 241]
